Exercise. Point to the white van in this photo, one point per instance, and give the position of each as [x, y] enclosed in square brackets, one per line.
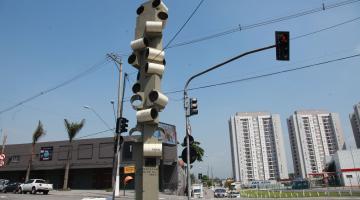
[197, 191]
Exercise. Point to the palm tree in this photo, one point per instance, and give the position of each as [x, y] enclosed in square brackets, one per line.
[199, 150]
[38, 133]
[72, 129]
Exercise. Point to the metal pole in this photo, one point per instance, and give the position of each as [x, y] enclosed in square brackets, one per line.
[116, 186]
[188, 155]
[186, 98]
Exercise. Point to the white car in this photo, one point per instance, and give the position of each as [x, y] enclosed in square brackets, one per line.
[35, 185]
[234, 194]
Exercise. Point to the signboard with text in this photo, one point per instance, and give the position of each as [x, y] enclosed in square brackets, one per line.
[129, 169]
[46, 153]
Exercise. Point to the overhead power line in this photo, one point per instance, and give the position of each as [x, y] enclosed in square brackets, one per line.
[239, 27]
[183, 26]
[265, 75]
[76, 77]
[97, 133]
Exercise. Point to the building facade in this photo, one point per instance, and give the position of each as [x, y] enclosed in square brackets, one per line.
[314, 135]
[257, 147]
[91, 162]
[355, 124]
[347, 164]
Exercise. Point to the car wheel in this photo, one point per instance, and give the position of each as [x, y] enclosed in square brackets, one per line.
[33, 190]
[20, 191]
[46, 192]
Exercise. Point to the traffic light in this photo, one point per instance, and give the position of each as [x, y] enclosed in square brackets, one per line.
[282, 41]
[193, 106]
[148, 57]
[193, 155]
[121, 125]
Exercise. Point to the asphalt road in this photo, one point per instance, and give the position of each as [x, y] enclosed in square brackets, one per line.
[102, 195]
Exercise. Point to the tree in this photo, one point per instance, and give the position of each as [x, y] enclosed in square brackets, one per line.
[199, 150]
[38, 133]
[72, 129]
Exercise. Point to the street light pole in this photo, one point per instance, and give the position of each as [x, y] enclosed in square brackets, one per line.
[186, 100]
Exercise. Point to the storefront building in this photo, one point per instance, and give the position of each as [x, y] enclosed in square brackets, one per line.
[91, 161]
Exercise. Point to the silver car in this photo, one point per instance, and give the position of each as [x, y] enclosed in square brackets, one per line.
[220, 193]
[3, 183]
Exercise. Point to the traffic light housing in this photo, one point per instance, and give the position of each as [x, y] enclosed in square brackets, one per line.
[191, 106]
[282, 41]
[121, 125]
[193, 155]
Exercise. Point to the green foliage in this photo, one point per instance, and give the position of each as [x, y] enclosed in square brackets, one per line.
[73, 128]
[38, 133]
[199, 150]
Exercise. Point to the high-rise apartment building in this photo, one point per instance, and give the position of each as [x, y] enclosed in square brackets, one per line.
[257, 147]
[355, 123]
[313, 135]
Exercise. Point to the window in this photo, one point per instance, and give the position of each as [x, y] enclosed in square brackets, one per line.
[14, 159]
[85, 151]
[40, 181]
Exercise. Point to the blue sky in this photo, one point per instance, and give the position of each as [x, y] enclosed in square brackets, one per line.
[44, 43]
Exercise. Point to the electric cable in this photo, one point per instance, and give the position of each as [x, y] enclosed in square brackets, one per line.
[239, 28]
[76, 77]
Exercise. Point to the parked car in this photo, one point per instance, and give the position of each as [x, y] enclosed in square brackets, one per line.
[220, 193]
[234, 194]
[300, 184]
[35, 185]
[3, 182]
[11, 187]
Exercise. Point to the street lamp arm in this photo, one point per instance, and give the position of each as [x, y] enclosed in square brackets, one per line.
[223, 63]
[186, 106]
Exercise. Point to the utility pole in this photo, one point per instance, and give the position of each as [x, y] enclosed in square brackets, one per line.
[117, 157]
[148, 101]
[4, 143]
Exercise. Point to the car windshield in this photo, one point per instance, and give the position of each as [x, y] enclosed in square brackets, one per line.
[29, 181]
[40, 181]
[220, 190]
[197, 191]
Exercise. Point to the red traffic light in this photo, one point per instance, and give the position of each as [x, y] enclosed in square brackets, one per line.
[282, 41]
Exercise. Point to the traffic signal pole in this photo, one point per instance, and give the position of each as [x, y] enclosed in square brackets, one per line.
[186, 99]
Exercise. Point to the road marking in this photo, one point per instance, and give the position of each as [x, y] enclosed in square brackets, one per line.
[88, 198]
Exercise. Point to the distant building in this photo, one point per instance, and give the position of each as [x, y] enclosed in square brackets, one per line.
[314, 135]
[91, 161]
[355, 123]
[257, 147]
[347, 164]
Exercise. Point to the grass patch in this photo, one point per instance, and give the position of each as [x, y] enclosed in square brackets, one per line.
[294, 194]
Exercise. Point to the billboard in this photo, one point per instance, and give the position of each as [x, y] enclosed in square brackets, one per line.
[166, 133]
[46, 153]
